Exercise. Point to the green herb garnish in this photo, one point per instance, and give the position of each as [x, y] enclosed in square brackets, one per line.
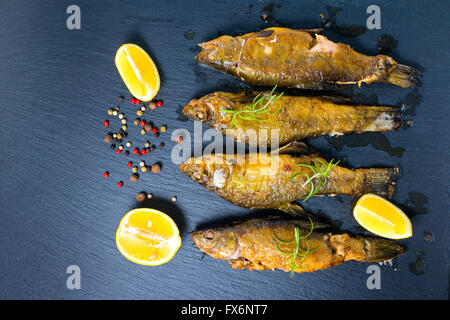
[320, 173]
[298, 254]
[259, 106]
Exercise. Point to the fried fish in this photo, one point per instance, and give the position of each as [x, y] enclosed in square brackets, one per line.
[253, 117]
[289, 245]
[275, 180]
[300, 59]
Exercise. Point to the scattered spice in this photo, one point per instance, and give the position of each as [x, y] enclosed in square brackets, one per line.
[124, 127]
[110, 111]
[163, 129]
[136, 121]
[149, 196]
[148, 127]
[142, 123]
[119, 136]
[143, 108]
[141, 197]
[118, 151]
[147, 144]
[117, 108]
[106, 174]
[161, 145]
[115, 113]
[143, 152]
[143, 131]
[106, 123]
[135, 150]
[155, 130]
[142, 163]
[129, 164]
[133, 100]
[123, 121]
[128, 144]
[121, 98]
[121, 115]
[159, 104]
[174, 199]
[108, 138]
[134, 169]
[120, 184]
[112, 146]
[138, 101]
[139, 113]
[144, 169]
[126, 153]
[152, 105]
[134, 177]
[156, 168]
[121, 147]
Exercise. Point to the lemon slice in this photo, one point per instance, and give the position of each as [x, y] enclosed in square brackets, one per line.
[138, 71]
[381, 217]
[148, 237]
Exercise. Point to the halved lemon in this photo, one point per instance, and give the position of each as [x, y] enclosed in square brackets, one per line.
[381, 217]
[148, 237]
[138, 71]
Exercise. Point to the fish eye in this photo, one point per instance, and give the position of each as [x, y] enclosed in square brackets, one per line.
[209, 235]
[212, 57]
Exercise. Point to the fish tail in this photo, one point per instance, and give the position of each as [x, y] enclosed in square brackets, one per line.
[381, 249]
[381, 181]
[404, 76]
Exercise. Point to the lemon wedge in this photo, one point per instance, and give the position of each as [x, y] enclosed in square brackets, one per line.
[381, 217]
[138, 71]
[148, 237]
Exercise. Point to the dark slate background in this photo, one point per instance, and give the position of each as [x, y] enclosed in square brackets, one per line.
[58, 210]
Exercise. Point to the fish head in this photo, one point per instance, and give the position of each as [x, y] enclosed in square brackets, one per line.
[221, 53]
[221, 243]
[211, 171]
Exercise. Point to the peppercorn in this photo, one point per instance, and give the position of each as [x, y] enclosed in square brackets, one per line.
[148, 150]
[161, 145]
[143, 131]
[136, 121]
[179, 139]
[108, 138]
[121, 98]
[141, 197]
[135, 150]
[134, 169]
[110, 111]
[159, 104]
[156, 168]
[142, 163]
[128, 144]
[138, 101]
[144, 169]
[152, 148]
[124, 128]
[134, 177]
[155, 130]
[139, 113]
[143, 152]
[119, 136]
[129, 164]
[114, 135]
[112, 146]
[121, 147]
[120, 184]
[123, 121]
[163, 129]
[106, 174]
[118, 151]
[126, 153]
[143, 108]
[115, 113]
[121, 115]
[152, 105]
[106, 123]
[149, 196]
[142, 123]
[133, 100]
[174, 198]
[147, 144]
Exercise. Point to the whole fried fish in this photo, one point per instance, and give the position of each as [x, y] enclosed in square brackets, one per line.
[300, 59]
[275, 180]
[257, 244]
[295, 117]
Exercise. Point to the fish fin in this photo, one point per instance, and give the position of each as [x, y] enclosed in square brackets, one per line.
[381, 249]
[337, 99]
[381, 181]
[404, 76]
[295, 147]
[243, 263]
[313, 31]
[306, 224]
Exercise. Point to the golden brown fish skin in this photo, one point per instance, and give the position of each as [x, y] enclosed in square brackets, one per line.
[299, 59]
[291, 117]
[266, 180]
[250, 244]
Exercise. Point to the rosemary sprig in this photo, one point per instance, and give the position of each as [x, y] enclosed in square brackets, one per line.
[298, 254]
[258, 107]
[320, 173]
